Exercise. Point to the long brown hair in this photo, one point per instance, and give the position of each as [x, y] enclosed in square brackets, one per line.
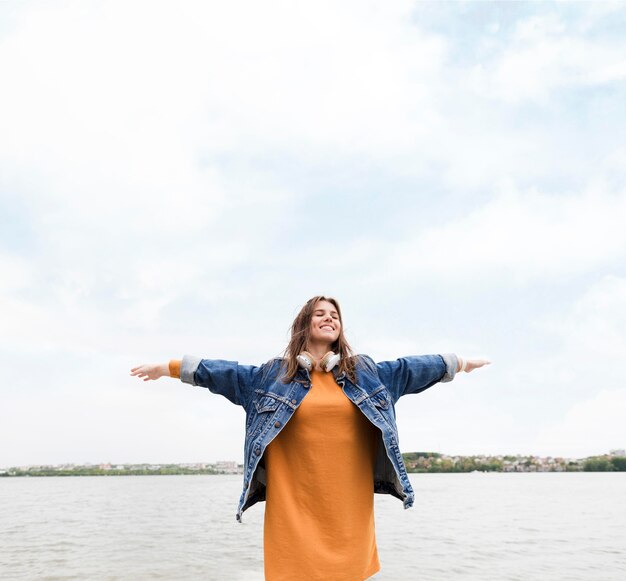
[300, 334]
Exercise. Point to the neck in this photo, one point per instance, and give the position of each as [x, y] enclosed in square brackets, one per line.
[318, 350]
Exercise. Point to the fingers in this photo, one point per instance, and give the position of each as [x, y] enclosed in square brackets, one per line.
[476, 363]
[141, 371]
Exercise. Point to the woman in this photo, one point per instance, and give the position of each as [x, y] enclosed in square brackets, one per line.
[321, 439]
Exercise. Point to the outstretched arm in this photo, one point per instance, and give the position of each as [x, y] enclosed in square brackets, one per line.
[415, 373]
[228, 378]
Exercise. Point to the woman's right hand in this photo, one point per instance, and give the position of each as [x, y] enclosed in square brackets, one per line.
[151, 371]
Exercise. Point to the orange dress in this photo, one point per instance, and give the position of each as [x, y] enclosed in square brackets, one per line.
[319, 511]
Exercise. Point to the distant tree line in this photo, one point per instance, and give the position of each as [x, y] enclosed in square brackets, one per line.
[95, 471]
[414, 461]
[436, 462]
[604, 464]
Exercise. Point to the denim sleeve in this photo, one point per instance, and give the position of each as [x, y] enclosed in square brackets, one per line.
[415, 373]
[235, 382]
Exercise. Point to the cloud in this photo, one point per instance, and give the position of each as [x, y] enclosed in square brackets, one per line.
[589, 427]
[554, 389]
[17, 272]
[544, 55]
[180, 181]
[514, 239]
[121, 420]
[585, 339]
[595, 324]
[369, 86]
[284, 75]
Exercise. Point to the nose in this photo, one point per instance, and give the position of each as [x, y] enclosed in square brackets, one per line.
[329, 321]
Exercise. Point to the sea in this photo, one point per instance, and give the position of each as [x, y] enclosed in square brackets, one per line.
[541, 526]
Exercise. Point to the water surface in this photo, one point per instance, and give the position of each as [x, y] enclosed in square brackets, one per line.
[478, 526]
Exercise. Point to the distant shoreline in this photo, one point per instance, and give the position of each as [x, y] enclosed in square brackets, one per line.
[416, 462]
[433, 462]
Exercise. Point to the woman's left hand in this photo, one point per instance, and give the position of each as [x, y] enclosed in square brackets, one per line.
[471, 364]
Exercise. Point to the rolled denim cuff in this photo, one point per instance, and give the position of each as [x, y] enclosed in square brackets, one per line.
[452, 364]
[188, 368]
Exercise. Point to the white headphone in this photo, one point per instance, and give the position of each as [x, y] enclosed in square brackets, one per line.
[306, 360]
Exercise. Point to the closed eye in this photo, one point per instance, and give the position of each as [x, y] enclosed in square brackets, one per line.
[321, 314]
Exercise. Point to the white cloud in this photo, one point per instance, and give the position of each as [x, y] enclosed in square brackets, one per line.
[167, 167]
[454, 419]
[561, 395]
[543, 56]
[590, 334]
[164, 421]
[595, 325]
[592, 426]
[284, 75]
[17, 272]
[516, 238]
[369, 84]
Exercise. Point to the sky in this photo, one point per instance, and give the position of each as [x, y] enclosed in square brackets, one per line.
[181, 178]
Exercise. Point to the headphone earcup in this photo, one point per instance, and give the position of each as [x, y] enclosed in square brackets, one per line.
[306, 360]
[330, 360]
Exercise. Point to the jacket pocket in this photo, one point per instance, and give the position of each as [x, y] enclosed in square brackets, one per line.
[261, 412]
[265, 404]
[380, 398]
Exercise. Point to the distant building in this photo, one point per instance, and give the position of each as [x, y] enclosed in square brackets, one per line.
[227, 467]
[618, 452]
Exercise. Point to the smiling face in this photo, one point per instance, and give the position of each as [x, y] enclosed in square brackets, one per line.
[325, 324]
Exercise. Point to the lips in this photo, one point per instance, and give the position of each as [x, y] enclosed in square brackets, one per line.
[327, 327]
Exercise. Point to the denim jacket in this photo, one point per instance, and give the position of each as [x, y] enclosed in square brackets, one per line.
[269, 405]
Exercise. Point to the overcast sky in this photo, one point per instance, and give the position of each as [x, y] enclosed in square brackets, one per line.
[179, 178]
